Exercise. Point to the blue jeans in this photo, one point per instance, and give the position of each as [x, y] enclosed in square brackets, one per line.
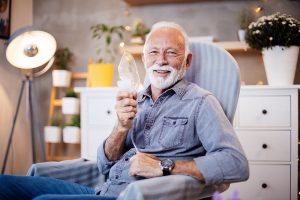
[44, 188]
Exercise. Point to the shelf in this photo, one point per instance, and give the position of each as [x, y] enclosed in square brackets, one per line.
[148, 2]
[230, 46]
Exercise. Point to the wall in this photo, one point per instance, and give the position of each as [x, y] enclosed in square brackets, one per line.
[10, 81]
[69, 21]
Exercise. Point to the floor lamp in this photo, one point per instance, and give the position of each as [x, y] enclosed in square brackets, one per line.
[32, 51]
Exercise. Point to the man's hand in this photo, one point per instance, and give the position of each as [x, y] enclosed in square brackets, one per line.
[126, 108]
[145, 165]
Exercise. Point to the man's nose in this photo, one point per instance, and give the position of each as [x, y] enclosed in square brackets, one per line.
[161, 59]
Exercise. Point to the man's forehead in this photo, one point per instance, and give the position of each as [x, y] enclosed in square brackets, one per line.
[166, 36]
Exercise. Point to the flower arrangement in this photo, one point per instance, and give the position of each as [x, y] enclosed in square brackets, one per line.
[273, 30]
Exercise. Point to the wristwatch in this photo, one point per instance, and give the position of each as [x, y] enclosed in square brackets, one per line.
[166, 166]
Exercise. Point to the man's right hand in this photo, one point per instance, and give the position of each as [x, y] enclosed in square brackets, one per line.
[126, 108]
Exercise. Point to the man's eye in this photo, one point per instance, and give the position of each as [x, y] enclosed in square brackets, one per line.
[172, 53]
[153, 52]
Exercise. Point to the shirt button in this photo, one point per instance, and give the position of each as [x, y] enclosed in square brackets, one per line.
[174, 122]
[116, 176]
[126, 159]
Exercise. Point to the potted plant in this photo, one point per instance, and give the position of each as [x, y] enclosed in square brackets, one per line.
[101, 72]
[245, 18]
[71, 132]
[277, 36]
[52, 132]
[70, 103]
[61, 76]
[139, 32]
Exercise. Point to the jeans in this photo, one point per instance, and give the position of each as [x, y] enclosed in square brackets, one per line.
[44, 188]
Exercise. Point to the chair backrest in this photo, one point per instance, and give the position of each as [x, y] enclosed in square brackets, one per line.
[215, 70]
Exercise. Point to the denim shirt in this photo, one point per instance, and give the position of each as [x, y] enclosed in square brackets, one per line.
[186, 122]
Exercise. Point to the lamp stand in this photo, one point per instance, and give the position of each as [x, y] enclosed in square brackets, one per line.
[25, 81]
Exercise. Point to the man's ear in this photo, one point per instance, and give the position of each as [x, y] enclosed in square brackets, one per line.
[189, 60]
[143, 59]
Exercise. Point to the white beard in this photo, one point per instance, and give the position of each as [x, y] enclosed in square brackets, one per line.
[161, 82]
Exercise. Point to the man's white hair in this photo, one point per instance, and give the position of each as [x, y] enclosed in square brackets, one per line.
[166, 24]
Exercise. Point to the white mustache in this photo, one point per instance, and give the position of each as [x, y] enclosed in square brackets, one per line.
[163, 68]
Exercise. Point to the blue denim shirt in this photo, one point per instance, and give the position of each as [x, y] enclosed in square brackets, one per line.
[186, 122]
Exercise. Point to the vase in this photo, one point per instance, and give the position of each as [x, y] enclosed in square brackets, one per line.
[280, 64]
[100, 75]
[61, 78]
[241, 35]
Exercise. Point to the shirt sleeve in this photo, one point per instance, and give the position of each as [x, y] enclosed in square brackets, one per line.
[103, 163]
[225, 160]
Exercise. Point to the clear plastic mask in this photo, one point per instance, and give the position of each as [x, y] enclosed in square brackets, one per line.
[128, 73]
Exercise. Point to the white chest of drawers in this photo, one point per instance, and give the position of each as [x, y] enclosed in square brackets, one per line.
[266, 123]
[98, 117]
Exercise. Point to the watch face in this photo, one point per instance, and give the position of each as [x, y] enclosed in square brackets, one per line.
[167, 164]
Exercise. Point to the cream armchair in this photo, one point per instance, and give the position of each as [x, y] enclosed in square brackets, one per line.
[213, 69]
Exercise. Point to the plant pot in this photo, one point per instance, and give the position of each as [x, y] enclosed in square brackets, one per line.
[70, 105]
[100, 75]
[71, 134]
[241, 35]
[136, 40]
[280, 64]
[61, 78]
[52, 134]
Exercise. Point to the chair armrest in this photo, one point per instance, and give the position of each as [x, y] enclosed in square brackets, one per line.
[176, 187]
[80, 171]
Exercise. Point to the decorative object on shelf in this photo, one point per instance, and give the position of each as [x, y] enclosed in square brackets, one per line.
[138, 32]
[32, 51]
[52, 133]
[100, 74]
[245, 18]
[71, 132]
[70, 103]
[278, 37]
[61, 76]
[5, 21]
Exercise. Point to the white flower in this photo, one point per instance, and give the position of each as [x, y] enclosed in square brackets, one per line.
[270, 23]
[257, 31]
[270, 38]
[283, 22]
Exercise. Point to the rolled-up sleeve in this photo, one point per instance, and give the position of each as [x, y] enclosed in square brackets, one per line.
[225, 160]
[103, 163]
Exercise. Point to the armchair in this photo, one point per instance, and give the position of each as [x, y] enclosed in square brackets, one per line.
[213, 69]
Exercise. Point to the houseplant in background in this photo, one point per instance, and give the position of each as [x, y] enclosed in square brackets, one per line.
[245, 18]
[70, 103]
[71, 132]
[61, 76]
[278, 37]
[101, 72]
[138, 32]
[52, 133]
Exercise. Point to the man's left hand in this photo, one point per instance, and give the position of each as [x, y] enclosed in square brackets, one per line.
[145, 165]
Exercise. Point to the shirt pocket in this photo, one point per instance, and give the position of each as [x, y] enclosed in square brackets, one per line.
[172, 132]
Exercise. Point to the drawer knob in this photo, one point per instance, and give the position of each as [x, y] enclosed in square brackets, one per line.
[264, 111]
[264, 185]
[264, 146]
[108, 112]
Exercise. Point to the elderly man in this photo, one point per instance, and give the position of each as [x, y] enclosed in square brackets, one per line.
[172, 127]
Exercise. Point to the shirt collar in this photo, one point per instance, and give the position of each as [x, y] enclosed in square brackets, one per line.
[179, 88]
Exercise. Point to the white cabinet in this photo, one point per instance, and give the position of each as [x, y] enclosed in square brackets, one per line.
[266, 123]
[98, 118]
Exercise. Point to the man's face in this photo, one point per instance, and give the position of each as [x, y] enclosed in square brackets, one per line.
[164, 57]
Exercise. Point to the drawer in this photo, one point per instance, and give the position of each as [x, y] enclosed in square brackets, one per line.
[266, 182]
[266, 145]
[101, 111]
[91, 140]
[264, 112]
